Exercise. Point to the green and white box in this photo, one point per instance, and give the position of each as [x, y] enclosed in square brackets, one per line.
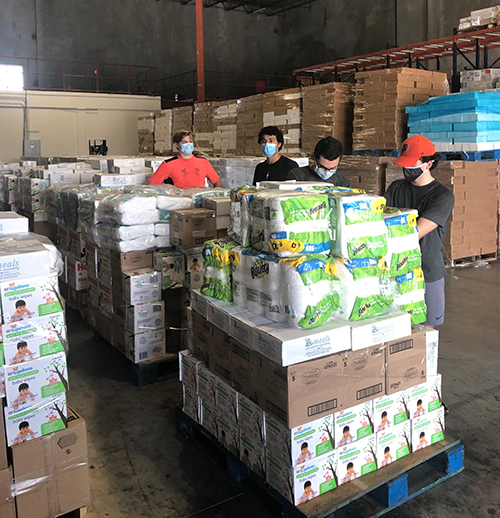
[208, 417]
[46, 417]
[393, 444]
[305, 481]
[251, 419]
[227, 401]
[426, 397]
[357, 459]
[30, 298]
[206, 383]
[302, 443]
[172, 266]
[191, 404]
[390, 411]
[29, 383]
[427, 429]
[354, 423]
[31, 339]
[253, 454]
[229, 434]
[187, 369]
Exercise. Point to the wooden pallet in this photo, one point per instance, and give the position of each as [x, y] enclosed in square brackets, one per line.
[77, 513]
[471, 261]
[370, 496]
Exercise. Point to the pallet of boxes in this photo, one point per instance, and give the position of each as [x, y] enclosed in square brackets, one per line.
[307, 356]
[44, 470]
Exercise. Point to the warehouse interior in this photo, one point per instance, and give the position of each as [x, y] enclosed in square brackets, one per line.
[128, 427]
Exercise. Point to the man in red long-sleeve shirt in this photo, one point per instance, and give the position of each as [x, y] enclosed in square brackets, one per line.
[185, 169]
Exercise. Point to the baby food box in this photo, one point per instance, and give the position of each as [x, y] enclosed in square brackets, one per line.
[172, 267]
[357, 459]
[30, 298]
[302, 443]
[305, 481]
[141, 286]
[27, 384]
[354, 423]
[145, 317]
[426, 397]
[427, 429]
[33, 338]
[43, 418]
[389, 411]
[393, 444]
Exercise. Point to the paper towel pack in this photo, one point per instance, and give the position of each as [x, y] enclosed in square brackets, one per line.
[218, 262]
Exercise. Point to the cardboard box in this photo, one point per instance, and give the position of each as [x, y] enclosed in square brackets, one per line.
[426, 397]
[77, 274]
[20, 260]
[141, 286]
[432, 347]
[145, 346]
[172, 268]
[253, 455]
[221, 206]
[353, 424]
[4, 461]
[393, 444]
[427, 429]
[206, 383]
[31, 382]
[243, 324]
[91, 259]
[406, 362]
[219, 313]
[188, 366]
[7, 507]
[194, 259]
[297, 394]
[208, 417]
[226, 401]
[104, 267]
[190, 403]
[392, 325]
[113, 180]
[38, 420]
[190, 228]
[356, 459]
[33, 338]
[229, 435]
[390, 411]
[145, 317]
[199, 303]
[124, 261]
[59, 462]
[13, 223]
[244, 368]
[76, 245]
[251, 420]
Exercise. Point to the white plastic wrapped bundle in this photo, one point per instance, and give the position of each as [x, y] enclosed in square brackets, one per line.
[163, 241]
[358, 225]
[403, 253]
[162, 229]
[125, 233]
[364, 288]
[166, 202]
[90, 234]
[88, 209]
[132, 245]
[128, 209]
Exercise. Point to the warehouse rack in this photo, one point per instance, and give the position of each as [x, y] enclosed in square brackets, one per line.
[458, 45]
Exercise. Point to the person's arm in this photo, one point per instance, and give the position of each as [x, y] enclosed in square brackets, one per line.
[212, 175]
[293, 174]
[425, 226]
[389, 197]
[218, 183]
[160, 175]
[436, 214]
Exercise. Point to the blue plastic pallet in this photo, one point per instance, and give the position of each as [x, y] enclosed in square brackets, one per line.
[471, 156]
[376, 152]
[370, 496]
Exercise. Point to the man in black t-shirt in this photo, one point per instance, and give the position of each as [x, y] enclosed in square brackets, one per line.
[434, 202]
[276, 166]
[327, 156]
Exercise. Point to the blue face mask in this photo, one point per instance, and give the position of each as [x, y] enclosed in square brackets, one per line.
[324, 174]
[268, 149]
[187, 148]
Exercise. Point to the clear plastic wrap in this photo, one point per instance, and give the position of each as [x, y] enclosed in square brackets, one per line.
[132, 245]
[125, 233]
[128, 209]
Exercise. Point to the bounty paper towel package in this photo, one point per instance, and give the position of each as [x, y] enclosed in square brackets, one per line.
[353, 424]
[30, 298]
[252, 454]
[390, 411]
[427, 429]
[38, 420]
[33, 338]
[301, 443]
[357, 459]
[218, 264]
[426, 397]
[358, 224]
[305, 481]
[29, 383]
[393, 444]
[19, 260]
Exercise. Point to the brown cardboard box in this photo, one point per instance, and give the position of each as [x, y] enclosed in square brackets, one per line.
[190, 228]
[59, 463]
[4, 462]
[123, 261]
[7, 508]
[244, 367]
[406, 362]
[364, 375]
[105, 327]
[302, 392]
[221, 206]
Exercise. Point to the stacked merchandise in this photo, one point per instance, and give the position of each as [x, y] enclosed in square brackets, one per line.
[249, 123]
[284, 109]
[225, 124]
[327, 110]
[146, 134]
[163, 133]
[459, 122]
[237, 171]
[36, 416]
[203, 126]
[365, 172]
[182, 119]
[481, 18]
[380, 102]
[479, 80]
[222, 208]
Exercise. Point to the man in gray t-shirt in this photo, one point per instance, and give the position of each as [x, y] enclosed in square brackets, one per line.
[327, 156]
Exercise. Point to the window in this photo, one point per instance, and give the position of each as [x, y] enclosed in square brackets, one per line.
[11, 78]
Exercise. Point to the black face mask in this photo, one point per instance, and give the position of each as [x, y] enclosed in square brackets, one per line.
[412, 174]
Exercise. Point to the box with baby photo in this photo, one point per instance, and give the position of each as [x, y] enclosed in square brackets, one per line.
[389, 411]
[393, 444]
[30, 298]
[427, 429]
[33, 338]
[44, 418]
[28, 383]
[252, 454]
[357, 459]
[354, 423]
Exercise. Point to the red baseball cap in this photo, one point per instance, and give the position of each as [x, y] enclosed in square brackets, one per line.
[413, 149]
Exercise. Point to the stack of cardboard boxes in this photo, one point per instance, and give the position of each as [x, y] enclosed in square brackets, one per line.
[283, 108]
[381, 98]
[327, 110]
[481, 18]
[364, 396]
[365, 172]
[163, 133]
[146, 134]
[203, 127]
[49, 472]
[479, 80]
[182, 119]
[225, 124]
[249, 123]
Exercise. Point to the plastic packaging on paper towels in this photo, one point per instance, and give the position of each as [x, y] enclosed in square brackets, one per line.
[219, 259]
[409, 295]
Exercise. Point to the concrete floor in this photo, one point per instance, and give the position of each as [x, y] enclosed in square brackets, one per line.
[140, 468]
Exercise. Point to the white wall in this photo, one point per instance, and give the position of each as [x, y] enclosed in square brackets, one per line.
[64, 122]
